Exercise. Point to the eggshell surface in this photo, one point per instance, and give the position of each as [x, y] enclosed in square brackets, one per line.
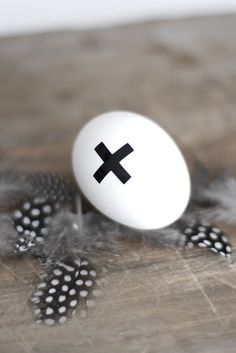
[131, 170]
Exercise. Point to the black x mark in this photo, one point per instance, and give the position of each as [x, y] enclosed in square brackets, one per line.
[111, 162]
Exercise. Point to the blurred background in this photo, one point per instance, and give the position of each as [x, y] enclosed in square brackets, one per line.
[33, 15]
[63, 62]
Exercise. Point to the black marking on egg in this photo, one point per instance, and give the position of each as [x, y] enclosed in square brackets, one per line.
[69, 284]
[207, 236]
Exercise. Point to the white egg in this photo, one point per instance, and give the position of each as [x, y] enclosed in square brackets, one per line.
[131, 170]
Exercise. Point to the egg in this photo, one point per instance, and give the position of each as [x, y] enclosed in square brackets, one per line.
[131, 170]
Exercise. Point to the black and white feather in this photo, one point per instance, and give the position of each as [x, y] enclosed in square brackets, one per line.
[207, 236]
[52, 187]
[31, 219]
[68, 285]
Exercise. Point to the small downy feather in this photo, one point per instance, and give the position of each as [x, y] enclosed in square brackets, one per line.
[200, 181]
[69, 284]
[8, 236]
[168, 236]
[222, 192]
[214, 199]
[84, 236]
[94, 236]
[13, 187]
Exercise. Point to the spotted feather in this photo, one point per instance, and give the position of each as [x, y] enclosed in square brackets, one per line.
[51, 194]
[69, 283]
[31, 222]
[51, 186]
[206, 236]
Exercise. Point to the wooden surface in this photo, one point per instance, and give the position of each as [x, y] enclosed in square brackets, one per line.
[182, 74]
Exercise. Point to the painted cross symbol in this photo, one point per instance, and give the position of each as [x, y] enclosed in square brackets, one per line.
[112, 162]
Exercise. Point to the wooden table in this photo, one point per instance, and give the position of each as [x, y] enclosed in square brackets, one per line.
[182, 74]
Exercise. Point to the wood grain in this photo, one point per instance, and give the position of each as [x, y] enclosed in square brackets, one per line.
[183, 75]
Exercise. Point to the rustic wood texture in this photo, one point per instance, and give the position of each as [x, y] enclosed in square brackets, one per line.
[182, 74]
